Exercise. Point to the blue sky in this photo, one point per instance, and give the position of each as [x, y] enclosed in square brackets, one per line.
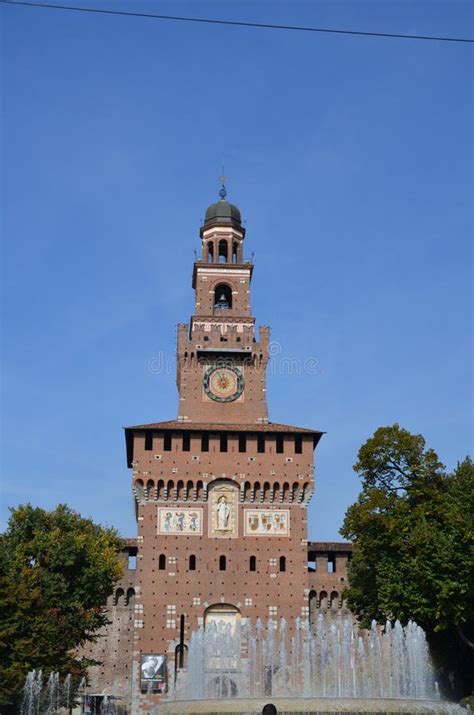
[351, 160]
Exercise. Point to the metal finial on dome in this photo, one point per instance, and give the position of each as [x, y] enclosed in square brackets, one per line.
[223, 213]
[223, 191]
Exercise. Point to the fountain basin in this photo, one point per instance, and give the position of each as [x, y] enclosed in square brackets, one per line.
[309, 706]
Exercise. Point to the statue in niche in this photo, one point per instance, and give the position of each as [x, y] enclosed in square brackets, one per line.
[223, 513]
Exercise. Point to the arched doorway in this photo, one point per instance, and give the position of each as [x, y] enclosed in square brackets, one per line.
[220, 624]
[222, 613]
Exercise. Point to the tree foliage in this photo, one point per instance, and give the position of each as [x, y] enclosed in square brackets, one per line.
[56, 572]
[412, 526]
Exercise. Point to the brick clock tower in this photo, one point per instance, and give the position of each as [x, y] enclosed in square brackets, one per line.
[221, 366]
[221, 492]
[220, 497]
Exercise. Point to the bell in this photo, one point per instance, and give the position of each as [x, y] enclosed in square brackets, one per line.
[222, 302]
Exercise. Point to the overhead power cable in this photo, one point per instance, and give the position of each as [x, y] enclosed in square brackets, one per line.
[237, 23]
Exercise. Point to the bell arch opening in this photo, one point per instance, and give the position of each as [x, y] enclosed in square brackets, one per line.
[223, 297]
[223, 248]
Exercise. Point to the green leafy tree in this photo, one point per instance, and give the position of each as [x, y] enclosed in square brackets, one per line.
[412, 526]
[56, 572]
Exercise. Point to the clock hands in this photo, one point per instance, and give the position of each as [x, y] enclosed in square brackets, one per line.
[223, 384]
[223, 379]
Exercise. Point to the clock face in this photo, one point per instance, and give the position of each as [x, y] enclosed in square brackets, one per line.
[223, 384]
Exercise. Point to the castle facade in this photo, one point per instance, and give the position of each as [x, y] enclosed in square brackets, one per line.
[220, 492]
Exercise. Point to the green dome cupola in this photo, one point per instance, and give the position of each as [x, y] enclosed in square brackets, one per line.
[222, 213]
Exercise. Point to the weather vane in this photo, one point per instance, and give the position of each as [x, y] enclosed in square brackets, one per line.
[223, 179]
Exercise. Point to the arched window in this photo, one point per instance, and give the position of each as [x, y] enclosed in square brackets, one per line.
[334, 600]
[119, 597]
[294, 491]
[323, 599]
[282, 563]
[234, 252]
[223, 297]
[223, 251]
[130, 596]
[256, 491]
[210, 252]
[162, 562]
[253, 563]
[192, 563]
[160, 488]
[222, 563]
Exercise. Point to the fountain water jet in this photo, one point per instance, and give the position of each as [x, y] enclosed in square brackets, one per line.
[32, 693]
[332, 666]
[48, 698]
